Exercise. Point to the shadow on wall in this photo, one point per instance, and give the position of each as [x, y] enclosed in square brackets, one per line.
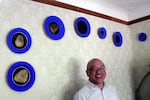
[75, 80]
[142, 92]
[138, 73]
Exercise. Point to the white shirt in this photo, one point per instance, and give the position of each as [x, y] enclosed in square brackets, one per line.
[93, 92]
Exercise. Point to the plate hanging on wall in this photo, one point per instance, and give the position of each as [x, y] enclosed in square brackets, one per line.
[142, 37]
[102, 33]
[54, 27]
[20, 76]
[19, 40]
[117, 39]
[82, 27]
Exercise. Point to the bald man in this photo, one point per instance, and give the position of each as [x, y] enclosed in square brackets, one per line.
[96, 88]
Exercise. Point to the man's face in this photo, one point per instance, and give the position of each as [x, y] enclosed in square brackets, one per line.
[96, 72]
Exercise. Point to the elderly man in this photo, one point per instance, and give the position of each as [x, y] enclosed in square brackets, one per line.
[96, 88]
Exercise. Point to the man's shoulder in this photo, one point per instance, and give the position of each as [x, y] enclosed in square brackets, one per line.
[84, 90]
[109, 86]
[110, 89]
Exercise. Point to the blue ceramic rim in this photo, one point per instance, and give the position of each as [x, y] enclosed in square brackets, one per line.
[102, 36]
[11, 45]
[142, 37]
[115, 36]
[87, 25]
[10, 81]
[60, 24]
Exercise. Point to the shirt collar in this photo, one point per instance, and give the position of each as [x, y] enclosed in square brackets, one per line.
[92, 85]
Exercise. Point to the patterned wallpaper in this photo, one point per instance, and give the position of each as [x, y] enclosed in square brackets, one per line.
[60, 64]
[140, 62]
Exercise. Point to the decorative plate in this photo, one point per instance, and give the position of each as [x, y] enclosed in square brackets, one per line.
[54, 27]
[19, 40]
[82, 27]
[117, 39]
[20, 76]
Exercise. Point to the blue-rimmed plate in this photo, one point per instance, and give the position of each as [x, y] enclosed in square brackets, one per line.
[54, 27]
[19, 40]
[82, 27]
[117, 39]
[142, 37]
[20, 76]
[102, 33]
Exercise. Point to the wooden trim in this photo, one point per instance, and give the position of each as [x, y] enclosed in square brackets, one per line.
[139, 20]
[78, 9]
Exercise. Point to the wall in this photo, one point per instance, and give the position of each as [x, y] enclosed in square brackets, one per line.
[60, 65]
[140, 61]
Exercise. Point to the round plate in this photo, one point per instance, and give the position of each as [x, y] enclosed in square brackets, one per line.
[102, 33]
[82, 27]
[20, 76]
[117, 39]
[54, 27]
[142, 37]
[19, 40]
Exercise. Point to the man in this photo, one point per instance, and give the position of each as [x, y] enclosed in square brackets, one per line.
[96, 89]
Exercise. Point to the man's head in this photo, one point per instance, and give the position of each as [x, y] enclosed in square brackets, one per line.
[96, 71]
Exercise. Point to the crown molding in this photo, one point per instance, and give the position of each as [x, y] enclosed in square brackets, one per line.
[82, 10]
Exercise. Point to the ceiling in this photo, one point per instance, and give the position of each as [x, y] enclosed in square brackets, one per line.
[127, 10]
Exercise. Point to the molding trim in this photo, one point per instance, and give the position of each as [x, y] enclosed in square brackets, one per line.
[82, 10]
[139, 20]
